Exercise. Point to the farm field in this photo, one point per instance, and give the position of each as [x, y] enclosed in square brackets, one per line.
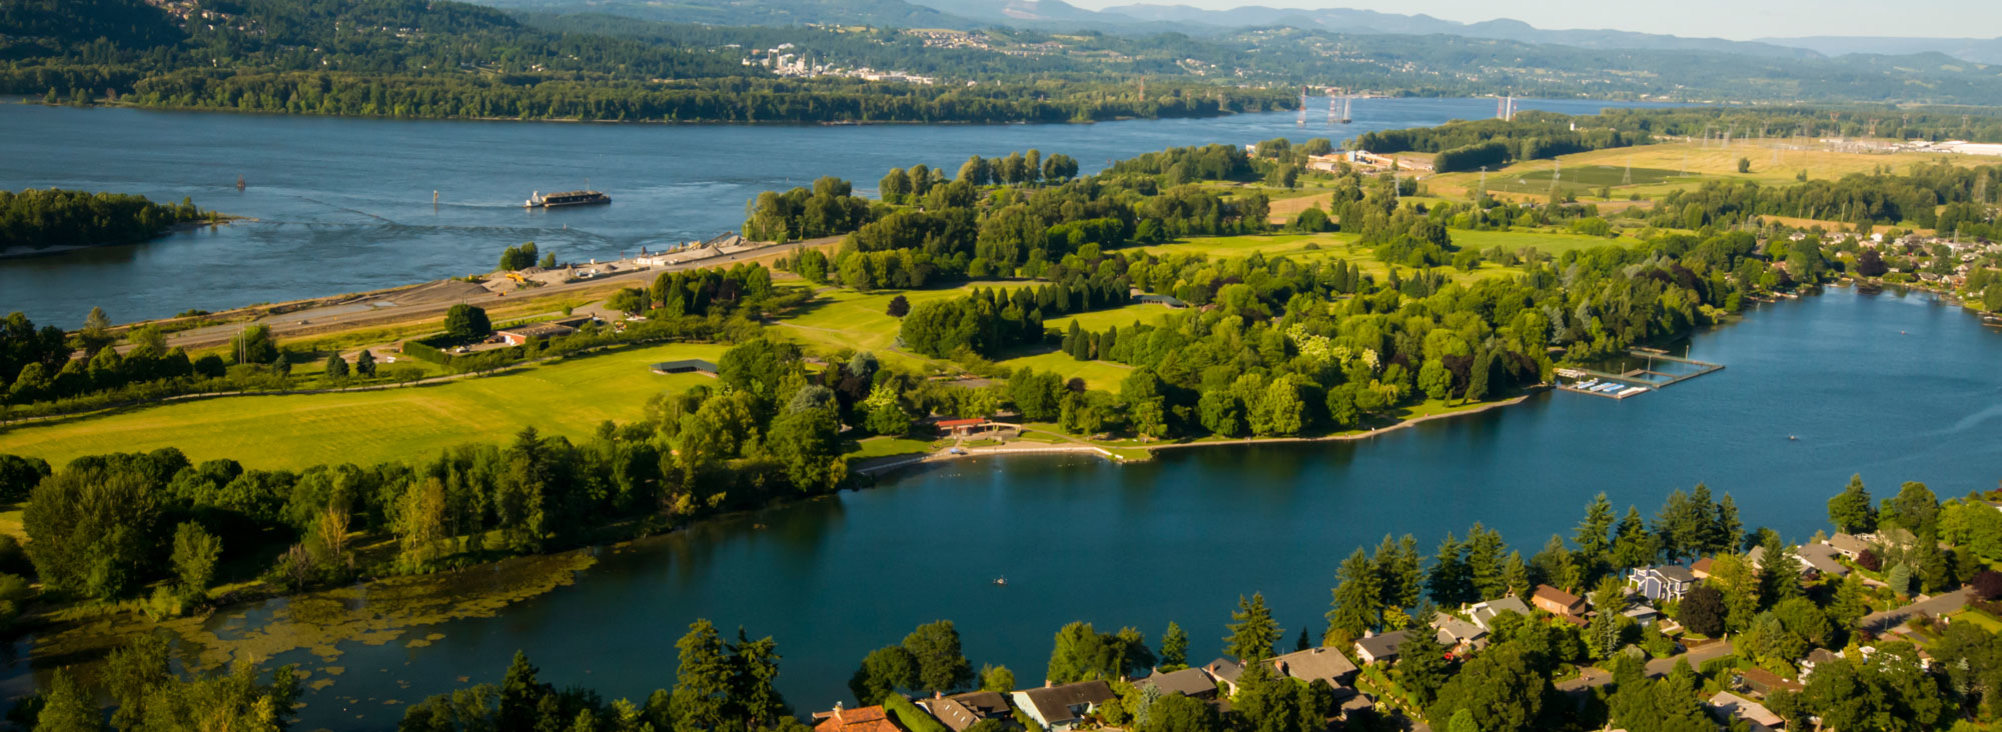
[568, 398]
[1658, 169]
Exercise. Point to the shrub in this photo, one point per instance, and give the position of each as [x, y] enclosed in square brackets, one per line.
[1987, 584]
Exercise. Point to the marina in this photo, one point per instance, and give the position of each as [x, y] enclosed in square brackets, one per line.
[1637, 381]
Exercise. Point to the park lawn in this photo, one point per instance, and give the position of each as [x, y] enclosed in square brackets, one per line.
[1549, 242]
[839, 319]
[1100, 375]
[568, 398]
[887, 446]
[1270, 245]
[1658, 169]
[1120, 317]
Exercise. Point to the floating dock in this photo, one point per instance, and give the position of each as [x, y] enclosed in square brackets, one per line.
[1634, 382]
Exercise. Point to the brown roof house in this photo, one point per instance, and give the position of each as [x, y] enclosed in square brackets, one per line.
[1063, 706]
[860, 719]
[1726, 706]
[1557, 602]
[1459, 635]
[1189, 682]
[1317, 664]
[1381, 647]
[961, 711]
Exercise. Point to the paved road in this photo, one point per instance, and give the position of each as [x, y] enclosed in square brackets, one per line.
[433, 299]
[1705, 651]
[1941, 604]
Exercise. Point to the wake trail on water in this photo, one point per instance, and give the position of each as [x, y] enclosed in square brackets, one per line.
[338, 207]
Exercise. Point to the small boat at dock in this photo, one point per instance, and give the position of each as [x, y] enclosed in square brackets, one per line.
[566, 198]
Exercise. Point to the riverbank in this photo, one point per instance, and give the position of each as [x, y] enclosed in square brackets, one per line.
[1126, 451]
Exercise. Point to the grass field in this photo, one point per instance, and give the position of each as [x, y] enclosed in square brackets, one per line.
[1117, 317]
[1100, 375]
[1553, 243]
[1660, 168]
[295, 431]
[846, 319]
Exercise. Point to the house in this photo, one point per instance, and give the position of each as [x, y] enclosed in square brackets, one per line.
[1317, 664]
[1701, 567]
[1190, 682]
[1381, 647]
[1726, 706]
[1763, 682]
[1484, 613]
[1459, 635]
[521, 335]
[1643, 615]
[1815, 659]
[961, 711]
[1821, 558]
[1557, 602]
[1062, 706]
[860, 719]
[961, 427]
[1666, 582]
[1225, 672]
[1756, 557]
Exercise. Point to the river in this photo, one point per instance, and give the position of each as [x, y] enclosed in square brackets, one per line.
[345, 205]
[1894, 387]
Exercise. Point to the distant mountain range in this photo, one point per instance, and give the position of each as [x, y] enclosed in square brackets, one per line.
[1056, 15]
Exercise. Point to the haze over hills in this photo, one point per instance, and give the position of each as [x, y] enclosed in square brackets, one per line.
[1056, 15]
[1978, 50]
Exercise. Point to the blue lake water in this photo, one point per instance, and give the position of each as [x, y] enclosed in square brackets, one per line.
[1893, 387]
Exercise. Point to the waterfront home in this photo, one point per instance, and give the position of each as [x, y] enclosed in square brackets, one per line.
[1381, 647]
[961, 711]
[1459, 635]
[1701, 567]
[1189, 682]
[1063, 706]
[1484, 613]
[1727, 706]
[1756, 557]
[1557, 602]
[1663, 583]
[1848, 545]
[860, 719]
[1821, 558]
[1225, 672]
[1317, 664]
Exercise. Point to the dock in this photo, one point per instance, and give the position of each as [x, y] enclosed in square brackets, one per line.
[1634, 382]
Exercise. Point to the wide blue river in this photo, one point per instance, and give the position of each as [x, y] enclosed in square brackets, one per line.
[344, 205]
[1893, 387]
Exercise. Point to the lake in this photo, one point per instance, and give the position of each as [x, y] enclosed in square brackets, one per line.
[1894, 387]
[345, 205]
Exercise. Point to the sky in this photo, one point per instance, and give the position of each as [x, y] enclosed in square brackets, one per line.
[1735, 19]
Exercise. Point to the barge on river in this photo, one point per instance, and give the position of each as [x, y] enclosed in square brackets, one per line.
[566, 198]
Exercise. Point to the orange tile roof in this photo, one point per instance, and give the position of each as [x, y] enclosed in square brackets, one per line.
[862, 719]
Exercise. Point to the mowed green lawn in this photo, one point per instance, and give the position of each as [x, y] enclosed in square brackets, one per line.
[568, 398]
[840, 319]
[1100, 375]
[1550, 242]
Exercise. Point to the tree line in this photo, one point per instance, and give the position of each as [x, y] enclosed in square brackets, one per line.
[42, 218]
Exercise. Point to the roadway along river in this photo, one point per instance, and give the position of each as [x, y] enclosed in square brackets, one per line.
[1893, 387]
[344, 205]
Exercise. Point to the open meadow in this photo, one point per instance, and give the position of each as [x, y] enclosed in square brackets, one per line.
[568, 398]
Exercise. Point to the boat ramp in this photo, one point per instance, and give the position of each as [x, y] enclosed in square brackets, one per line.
[1660, 370]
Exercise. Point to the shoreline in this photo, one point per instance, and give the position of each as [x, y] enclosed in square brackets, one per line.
[1112, 452]
[178, 228]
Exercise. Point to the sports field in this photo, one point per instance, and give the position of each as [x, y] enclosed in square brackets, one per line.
[568, 398]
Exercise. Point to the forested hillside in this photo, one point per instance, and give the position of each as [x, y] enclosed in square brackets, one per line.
[447, 59]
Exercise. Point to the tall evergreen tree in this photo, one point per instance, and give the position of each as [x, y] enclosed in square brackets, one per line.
[1252, 630]
[1358, 602]
[1851, 511]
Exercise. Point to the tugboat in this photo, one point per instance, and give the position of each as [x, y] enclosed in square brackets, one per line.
[566, 198]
